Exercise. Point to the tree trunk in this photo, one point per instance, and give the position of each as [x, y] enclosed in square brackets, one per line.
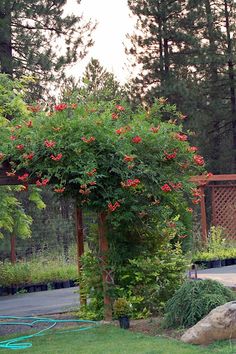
[6, 58]
[231, 80]
[13, 249]
[213, 75]
[80, 247]
[103, 249]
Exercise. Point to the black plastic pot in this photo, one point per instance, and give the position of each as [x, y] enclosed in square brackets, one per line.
[216, 263]
[58, 285]
[204, 264]
[229, 261]
[72, 283]
[223, 262]
[14, 289]
[124, 322]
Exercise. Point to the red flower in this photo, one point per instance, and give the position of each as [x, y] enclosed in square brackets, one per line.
[60, 107]
[120, 108]
[29, 124]
[120, 131]
[137, 139]
[196, 201]
[73, 105]
[190, 210]
[114, 116]
[12, 137]
[43, 183]
[183, 236]
[49, 143]
[209, 174]
[192, 149]
[87, 141]
[24, 188]
[56, 158]
[84, 191]
[20, 147]
[199, 160]
[93, 183]
[91, 173]
[34, 108]
[59, 190]
[166, 188]
[24, 177]
[128, 158]
[113, 207]
[130, 183]
[29, 156]
[155, 129]
[196, 192]
[11, 174]
[170, 156]
[176, 185]
[183, 117]
[181, 137]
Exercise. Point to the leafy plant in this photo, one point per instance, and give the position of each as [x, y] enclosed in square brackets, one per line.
[194, 300]
[149, 281]
[121, 307]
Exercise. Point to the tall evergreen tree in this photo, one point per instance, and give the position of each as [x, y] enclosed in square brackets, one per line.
[36, 37]
[97, 84]
[187, 53]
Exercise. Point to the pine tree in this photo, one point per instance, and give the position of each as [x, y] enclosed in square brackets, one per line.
[37, 38]
[97, 84]
[187, 53]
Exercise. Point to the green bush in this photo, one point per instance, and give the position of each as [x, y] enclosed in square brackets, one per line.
[194, 300]
[149, 281]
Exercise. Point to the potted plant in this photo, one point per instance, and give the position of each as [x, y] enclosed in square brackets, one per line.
[122, 309]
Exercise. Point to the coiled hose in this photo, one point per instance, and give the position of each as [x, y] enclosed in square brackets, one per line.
[14, 342]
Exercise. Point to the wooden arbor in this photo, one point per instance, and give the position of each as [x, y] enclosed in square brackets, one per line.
[103, 243]
[223, 202]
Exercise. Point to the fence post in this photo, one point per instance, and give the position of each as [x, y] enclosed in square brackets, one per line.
[203, 215]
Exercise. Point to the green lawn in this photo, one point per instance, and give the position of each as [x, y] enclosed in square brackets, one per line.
[112, 340]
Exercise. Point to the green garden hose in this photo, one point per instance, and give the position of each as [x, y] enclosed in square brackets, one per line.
[14, 342]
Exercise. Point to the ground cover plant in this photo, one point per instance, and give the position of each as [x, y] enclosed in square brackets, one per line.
[194, 300]
[108, 339]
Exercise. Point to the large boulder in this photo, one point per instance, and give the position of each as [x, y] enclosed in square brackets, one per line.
[219, 324]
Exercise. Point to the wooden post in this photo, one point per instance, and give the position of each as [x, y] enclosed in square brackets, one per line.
[103, 249]
[13, 248]
[80, 246]
[203, 215]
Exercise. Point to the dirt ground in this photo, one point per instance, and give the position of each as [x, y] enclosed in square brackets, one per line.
[150, 326]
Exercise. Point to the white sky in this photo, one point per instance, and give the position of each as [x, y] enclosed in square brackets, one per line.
[114, 23]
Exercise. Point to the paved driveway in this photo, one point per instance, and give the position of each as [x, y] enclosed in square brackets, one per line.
[225, 275]
[40, 303]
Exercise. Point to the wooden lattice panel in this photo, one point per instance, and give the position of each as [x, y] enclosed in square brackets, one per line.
[224, 208]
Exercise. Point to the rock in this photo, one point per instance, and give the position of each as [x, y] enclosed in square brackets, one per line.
[219, 324]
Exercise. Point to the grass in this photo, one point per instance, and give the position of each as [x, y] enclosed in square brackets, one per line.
[112, 340]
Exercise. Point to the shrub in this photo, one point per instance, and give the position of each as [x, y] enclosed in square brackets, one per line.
[149, 281]
[194, 300]
[121, 307]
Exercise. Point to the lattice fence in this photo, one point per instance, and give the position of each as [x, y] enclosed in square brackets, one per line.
[224, 208]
